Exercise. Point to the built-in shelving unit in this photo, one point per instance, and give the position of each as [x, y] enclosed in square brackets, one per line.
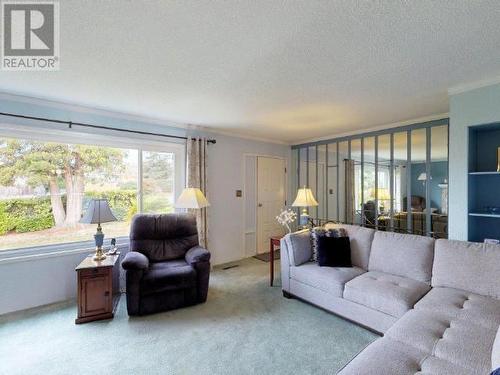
[484, 182]
[479, 214]
[483, 173]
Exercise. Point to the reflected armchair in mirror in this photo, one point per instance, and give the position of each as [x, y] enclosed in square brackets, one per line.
[417, 203]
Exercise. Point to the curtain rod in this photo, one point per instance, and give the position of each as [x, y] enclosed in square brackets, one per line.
[84, 125]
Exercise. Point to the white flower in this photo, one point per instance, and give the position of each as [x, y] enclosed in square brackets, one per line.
[286, 217]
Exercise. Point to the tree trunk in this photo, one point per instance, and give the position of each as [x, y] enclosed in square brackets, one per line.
[70, 197]
[79, 187]
[56, 202]
[75, 186]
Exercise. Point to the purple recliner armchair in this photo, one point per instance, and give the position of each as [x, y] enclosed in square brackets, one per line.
[165, 267]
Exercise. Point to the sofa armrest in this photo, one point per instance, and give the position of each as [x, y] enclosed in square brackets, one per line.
[135, 261]
[285, 265]
[197, 254]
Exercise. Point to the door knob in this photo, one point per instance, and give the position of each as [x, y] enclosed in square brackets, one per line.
[260, 204]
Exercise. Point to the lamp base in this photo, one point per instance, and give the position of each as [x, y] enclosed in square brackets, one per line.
[304, 218]
[99, 254]
[99, 241]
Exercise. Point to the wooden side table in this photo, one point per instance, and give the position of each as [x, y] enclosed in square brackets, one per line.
[273, 243]
[98, 288]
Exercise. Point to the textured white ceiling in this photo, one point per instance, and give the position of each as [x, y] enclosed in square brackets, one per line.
[283, 70]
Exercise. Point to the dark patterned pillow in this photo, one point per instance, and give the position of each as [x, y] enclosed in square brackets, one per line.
[318, 232]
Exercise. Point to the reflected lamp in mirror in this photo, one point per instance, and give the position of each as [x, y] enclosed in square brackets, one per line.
[498, 159]
[192, 198]
[98, 212]
[384, 197]
[423, 177]
[304, 199]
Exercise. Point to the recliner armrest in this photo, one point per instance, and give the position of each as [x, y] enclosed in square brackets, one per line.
[197, 254]
[135, 261]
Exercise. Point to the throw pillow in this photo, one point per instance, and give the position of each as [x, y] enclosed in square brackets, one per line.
[318, 232]
[496, 372]
[334, 252]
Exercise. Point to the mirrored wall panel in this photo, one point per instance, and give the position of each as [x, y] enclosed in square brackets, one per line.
[321, 186]
[438, 185]
[418, 176]
[332, 185]
[343, 187]
[392, 180]
[383, 191]
[400, 166]
[368, 205]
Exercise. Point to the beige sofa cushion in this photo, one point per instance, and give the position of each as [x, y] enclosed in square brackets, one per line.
[361, 242]
[468, 266]
[403, 255]
[461, 304]
[327, 279]
[495, 352]
[390, 357]
[391, 294]
[452, 339]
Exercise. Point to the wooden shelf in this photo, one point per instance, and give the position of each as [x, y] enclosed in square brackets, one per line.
[484, 173]
[484, 214]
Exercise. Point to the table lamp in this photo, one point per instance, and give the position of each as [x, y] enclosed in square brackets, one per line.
[191, 198]
[304, 199]
[383, 196]
[423, 177]
[98, 212]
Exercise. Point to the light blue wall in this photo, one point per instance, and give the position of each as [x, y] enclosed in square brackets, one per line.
[475, 107]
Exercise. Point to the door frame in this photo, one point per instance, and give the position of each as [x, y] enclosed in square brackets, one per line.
[246, 232]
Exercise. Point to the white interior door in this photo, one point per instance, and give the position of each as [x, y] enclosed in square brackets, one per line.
[270, 199]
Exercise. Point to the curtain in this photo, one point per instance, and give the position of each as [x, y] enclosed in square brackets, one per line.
[349, 190]
[196, 161]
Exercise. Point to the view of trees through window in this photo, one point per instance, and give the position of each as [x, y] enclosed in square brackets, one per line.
[45, 188]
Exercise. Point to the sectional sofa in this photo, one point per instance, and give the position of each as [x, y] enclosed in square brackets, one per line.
[436, 303]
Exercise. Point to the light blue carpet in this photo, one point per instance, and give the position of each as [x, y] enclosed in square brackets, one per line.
[246, 327]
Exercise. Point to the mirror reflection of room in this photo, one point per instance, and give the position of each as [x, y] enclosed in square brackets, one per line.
[394, 181]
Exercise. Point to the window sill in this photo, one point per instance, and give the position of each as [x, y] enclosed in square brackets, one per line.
[56, 250]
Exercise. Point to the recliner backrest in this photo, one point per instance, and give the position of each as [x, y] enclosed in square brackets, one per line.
[163, 237]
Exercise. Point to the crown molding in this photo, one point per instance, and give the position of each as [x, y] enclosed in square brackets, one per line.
[235, 134]
[68, 106]
[473, 86]
[375, 128]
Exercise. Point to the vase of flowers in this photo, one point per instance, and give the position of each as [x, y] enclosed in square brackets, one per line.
[286, 217]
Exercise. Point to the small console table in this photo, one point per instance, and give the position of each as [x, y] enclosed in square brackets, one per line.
[98, 288]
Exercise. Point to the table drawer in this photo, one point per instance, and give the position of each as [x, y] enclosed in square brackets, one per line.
[91, 272]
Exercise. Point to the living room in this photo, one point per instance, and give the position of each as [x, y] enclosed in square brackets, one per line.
[236, 187]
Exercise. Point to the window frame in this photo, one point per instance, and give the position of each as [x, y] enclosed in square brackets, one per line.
[104, 138]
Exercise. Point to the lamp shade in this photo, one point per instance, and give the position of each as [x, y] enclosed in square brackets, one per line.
[191, 198]
[98, 212]
[422, 176]
[305, 198]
